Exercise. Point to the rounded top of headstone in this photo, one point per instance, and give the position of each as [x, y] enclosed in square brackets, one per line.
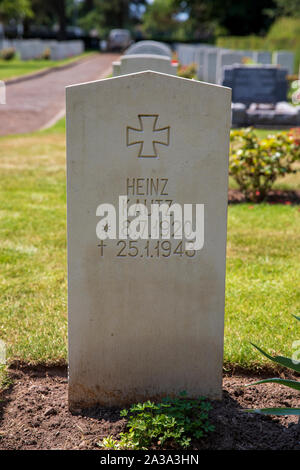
[162, 58]
[149, 47]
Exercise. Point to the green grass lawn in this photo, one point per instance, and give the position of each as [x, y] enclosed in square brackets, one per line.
[263, 261]
[16, 67]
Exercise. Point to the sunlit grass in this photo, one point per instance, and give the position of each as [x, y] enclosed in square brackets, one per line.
[16, 67]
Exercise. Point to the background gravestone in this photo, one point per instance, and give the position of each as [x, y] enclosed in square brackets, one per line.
[141, 62]
[186, 54]
[145, 320]
[285, 60]
[210, 66]
[226, 58]
[149, 47]
[256, 84]
[263, 57]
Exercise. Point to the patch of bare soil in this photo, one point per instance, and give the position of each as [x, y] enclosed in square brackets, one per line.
[276, 196]
[34, 415]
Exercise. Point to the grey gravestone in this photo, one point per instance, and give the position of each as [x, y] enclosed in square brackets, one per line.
[200, 55]
[226, 58]
[210, 66]
[248, 54]
[262, 57]
[186, 53]
[285, 60]
[256, 84]
[149, 47]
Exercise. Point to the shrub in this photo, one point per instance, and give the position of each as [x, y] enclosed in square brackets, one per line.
[8, 53]
[176, 421]
[256, 164]
[187, 71]
[294, 384]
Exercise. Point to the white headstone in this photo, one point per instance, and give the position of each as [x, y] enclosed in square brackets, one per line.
[199, 61]
[140, 62]
[186, 53]
[2, 92]
[149, 47]
[146, 316]
[116, 68]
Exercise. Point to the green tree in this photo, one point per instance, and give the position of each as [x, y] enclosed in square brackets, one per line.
[236, 16]
[105, 15]
[288, 8]
[159, 20]
[49, 13]
[16, 9]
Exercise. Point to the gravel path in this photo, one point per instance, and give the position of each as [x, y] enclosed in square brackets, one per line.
[35, 103]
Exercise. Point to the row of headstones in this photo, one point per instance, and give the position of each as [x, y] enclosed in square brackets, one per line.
[211, 60]
[34, 48]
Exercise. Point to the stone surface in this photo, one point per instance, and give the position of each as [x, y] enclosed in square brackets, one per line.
[186, 53]
[226, 58]
[256, 84]
[238, 114]
[145, 320]
[149, 47]
[262, 57]
[210, 66]
[140, 62]
[285, 60]
[248, 54]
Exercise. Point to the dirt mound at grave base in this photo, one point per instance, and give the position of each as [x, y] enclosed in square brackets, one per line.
[34, 415]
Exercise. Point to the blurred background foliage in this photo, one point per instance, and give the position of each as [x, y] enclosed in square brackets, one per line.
[239, 24]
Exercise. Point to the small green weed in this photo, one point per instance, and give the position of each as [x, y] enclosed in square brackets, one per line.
[173, 421]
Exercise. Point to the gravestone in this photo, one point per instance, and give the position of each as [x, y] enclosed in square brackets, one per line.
[285, 60]
[149, 47]
[248, 55]
[186, 53]
[199, 61]
[140, 62]
[226, 58]
[146, 315]
[262, 57]
[210, 66]
[256, 84]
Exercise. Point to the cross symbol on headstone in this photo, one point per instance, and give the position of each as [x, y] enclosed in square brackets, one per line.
[148, 135]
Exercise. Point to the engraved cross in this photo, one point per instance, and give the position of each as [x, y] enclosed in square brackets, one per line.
[148, 135]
